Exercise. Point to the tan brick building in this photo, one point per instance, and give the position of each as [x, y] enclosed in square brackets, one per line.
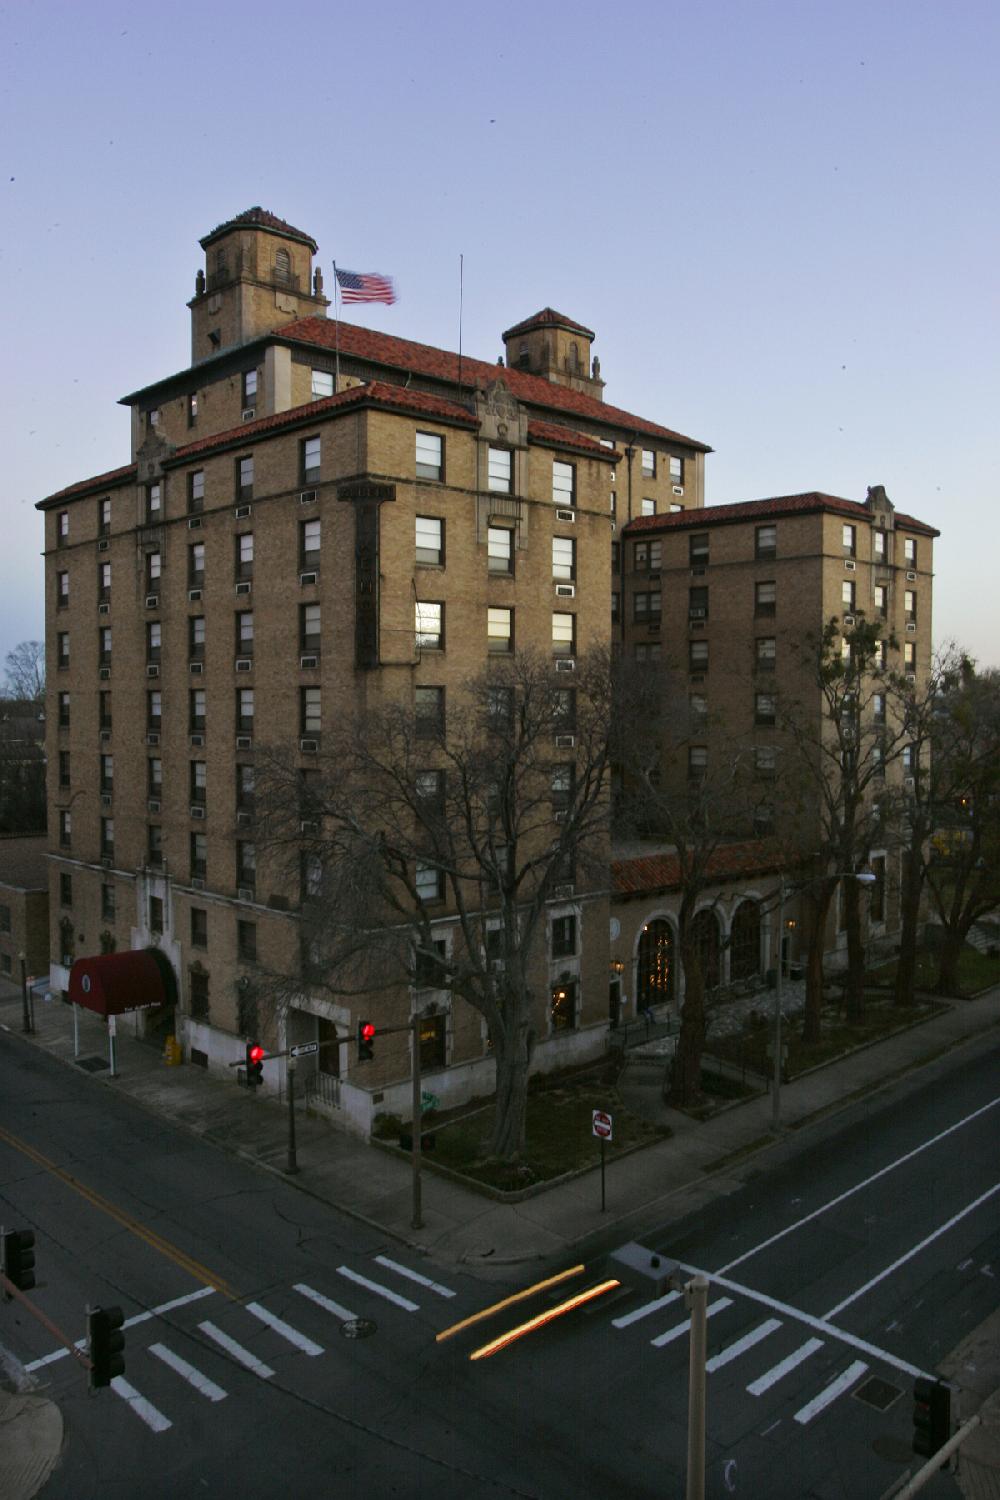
[316, 517]
[24, 906]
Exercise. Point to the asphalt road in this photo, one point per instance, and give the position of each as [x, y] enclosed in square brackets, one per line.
[869, 1256]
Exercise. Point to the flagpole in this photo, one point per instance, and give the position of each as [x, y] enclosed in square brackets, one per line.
[336, 335]
[461, 297]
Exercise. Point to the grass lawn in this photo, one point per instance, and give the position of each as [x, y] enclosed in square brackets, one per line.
[975, 971]
[749, 1049]
[559, 1139]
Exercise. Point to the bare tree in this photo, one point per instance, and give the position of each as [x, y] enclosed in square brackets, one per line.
[430, 844]
[26, 672]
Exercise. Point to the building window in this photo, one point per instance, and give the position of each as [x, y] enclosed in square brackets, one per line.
[244, 555]
[244, 478]
[698, 656]
[198, 782]
[910, 606]
[196, 565]
[310, 460]
[563, 483]
[648, 507]
[198, 994]
[676, 471]
[62, 590]
[698, 710]
[563, 936]
[646, 557]
[154, 777]
[849, 538]
[614, 506]
[765, 598]
[244, 632]
[698, 549]
[62, 528]
[311, 879]
[698, 604]
[878, 708]
[562, 783]
[429, 883]
[104, 517]
[153, 418]
[244, 787]
[63, 703]
[196, 637]
[765, 760]
[154, 710]
[192, 409]
[322, 384]
[909, 656]
[154, 845]
[249, 388]
[196, 492]
[246, 864]
[196, 707]
[310, 542]
[879, 547]
[881, 656]
[156, 914]
[647, 606]
[65, 895]
[500, 549]
[498, 470]
[244, 710]
[881, 601]
[500, 708]
[647, 651]
[564, 710]
[309, 627]
[107, 772]
[765, 542]
[910, 551]
[198, 855]
[616, 557]
[562, 1006]
[104, 710]
[428, 712]
[563, 558]
[430, 970]
[430, 792]
[847, 595]
[65, 829]
[766, 653]
[199, 927]
[64, 778]
[648, 463]
[765, 708]
[246, 941]
[563, 634]
[430, 456]
[62, 650]
[675, 508]
[697, 762]
[154, 504]
[433, 1042]
[499, 630]
[430, 541]
[429, 625]
[310, 711]
[107, 838]
[108, 911]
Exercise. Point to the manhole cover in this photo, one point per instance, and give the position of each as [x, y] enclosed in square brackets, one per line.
[91, 1064]
[359, 1328]
[877, 1393]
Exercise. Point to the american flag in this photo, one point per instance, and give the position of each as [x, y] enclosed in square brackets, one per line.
[365, 286]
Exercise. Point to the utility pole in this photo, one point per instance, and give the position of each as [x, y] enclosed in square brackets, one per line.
[293, 1165]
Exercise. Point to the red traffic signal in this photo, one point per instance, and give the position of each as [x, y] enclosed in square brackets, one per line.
[106, 1345]
[255, 1064]
[931, 1415]
[366, 1041]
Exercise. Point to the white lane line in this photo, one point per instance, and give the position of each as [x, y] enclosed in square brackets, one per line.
[680, 1329]
[859, 1186]
[344, 1313]
[433, 1286]
[142, 1408]
[644, 1311]
[726, 1356]
[285, 1330]
[936, 1234]
[375, 1286]
[832, 1391]
[819, 1325]
[188, 1372]
[143, 1317]
[237, 1351]
[784, 1367]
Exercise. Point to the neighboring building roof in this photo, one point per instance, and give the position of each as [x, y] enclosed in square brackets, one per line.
[23, 864]
[654, 873]
[86, 486]
[780, 505]
[442, 364]
[547, 318]
[260, 218]
[551, 436]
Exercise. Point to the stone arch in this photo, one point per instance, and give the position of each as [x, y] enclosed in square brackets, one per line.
[745, 940]
[655, 964]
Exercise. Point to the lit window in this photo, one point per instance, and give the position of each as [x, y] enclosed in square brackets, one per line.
[429, 622]
[430, 540]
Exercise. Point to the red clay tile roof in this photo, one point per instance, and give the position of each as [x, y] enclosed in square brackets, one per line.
[661, 872]
[547, 318]
[441, 364]
[260, 218]
[85, 486]
[551, 436]
[779, 505]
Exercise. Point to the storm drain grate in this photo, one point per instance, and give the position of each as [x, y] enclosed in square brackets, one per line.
[877, 1393]
[91, 1064]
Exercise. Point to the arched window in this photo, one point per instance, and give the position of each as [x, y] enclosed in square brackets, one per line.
[705, 931]
[282, 266]
[655, 971]
[744, 950]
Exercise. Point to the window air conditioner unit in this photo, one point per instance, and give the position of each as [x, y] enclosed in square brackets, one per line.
[153, 805]
[911, 627]
[105, 799]
[194, 523]
[243, 820]
[244, 664]
[152, 670]
[697, 677]
[566, 664]
[560, 815]
[911, 577]
[244, 892]
[565, 591]
[249, 412]
[909, 783]
[562, 892]
[653, 627]
[244, 742]
[308, 661]
[197, 811]
[697, 572]
[851, 567]
[105, 736]
[307, 578]
[310, 746]
[308, 827]
[103, 545]
[106, 861]
[194, 595]
[678, 489]
[197, 740]
[152, 601]
[152, 739]
[565, 741]
[197, 667]
[242, 511]
[565, 515]
[306, 497]
[104, 609]
[848, 619]
[197, 882]
[104, 673]
[242, 588]
[697, 612]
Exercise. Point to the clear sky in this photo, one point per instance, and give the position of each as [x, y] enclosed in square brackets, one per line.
[780, 217]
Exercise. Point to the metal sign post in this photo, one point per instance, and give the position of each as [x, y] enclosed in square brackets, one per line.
[601, 1124]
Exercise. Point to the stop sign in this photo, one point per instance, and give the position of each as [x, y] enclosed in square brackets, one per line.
[602, 1124]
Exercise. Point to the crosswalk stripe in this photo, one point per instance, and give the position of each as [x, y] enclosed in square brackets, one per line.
[433, 1286]
[241, 1355]
[644, 1311]
[325, 1303]
[142, 1408]
[831, 1392]
[285, 1330]
[375, 1286]
[783, 1367]
[188, 1372]
[726, 1356]
[681, 1328]
[143, 1317]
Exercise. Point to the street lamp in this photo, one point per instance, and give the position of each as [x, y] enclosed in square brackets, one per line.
[863, 877]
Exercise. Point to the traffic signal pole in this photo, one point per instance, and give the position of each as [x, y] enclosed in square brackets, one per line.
[417, 1221]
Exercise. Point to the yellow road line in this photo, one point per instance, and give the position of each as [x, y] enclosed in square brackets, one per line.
[489, 1312]
[501, 1342]
[155, 1241]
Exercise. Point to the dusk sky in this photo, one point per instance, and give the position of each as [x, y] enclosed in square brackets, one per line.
[779, 218]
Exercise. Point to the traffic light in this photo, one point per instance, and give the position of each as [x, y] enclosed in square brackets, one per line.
[931, 1415]
[366, 1041]
[106, 1345]
[18, 1246]
[255, 1064]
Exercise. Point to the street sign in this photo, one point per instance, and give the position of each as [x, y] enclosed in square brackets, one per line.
[602, 1124]
[304, 1049]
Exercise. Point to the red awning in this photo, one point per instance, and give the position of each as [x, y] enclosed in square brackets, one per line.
[112, 983]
